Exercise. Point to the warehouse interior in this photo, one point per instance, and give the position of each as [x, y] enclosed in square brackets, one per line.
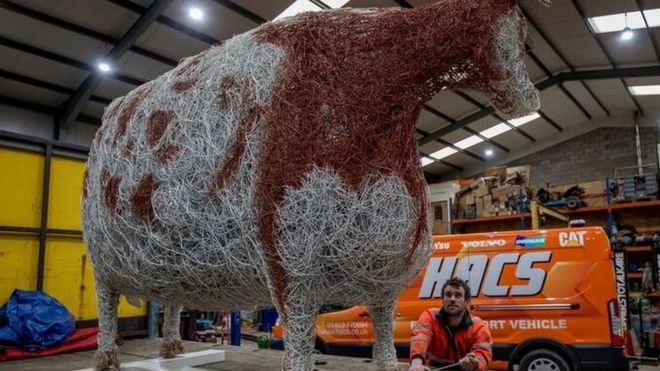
[590, 156]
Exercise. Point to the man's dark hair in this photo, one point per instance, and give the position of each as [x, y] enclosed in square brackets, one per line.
[457, 282]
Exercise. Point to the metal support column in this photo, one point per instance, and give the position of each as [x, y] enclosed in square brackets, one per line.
[235, 336]
[152, 324]
[43, 226]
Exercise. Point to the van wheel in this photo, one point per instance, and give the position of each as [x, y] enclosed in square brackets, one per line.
[543, 360]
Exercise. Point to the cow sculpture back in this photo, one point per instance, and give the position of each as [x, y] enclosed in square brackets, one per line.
[281, 168]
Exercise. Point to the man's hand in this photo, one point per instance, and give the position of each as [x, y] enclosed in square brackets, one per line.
[417, 365]
[469, 362]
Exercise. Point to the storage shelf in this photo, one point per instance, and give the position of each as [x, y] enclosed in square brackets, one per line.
[638, 249]
[655, 294]
[582, 210]
[491, 219]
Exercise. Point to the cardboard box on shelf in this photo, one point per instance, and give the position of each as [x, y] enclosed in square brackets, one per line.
[502, 192]
[482, 190]
[439, 217]
[496, 171]
[480, 206]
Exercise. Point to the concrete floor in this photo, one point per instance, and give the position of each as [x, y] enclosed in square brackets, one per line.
[245, 358]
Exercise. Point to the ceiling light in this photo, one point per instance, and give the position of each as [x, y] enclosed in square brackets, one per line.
[520, 121]
[104, 67]
[617, 22]
[645, 90]
[445, 152]
[495, 130]
[489, 152]
[468, 142]
[627, 34]
[196, 13]
[426, 161]
[335, 3]
[298, 6]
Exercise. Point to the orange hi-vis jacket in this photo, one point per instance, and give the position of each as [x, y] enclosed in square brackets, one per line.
[433, 340]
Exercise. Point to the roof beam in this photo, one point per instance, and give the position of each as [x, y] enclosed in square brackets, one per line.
[583, 16]
[241, 11]
[41, 108]
[76, 102]
[167, 21]
[54, 21]
[64, 60]
[47, 85]
[617, 73]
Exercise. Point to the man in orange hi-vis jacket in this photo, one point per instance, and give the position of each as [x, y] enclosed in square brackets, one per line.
[451, 335]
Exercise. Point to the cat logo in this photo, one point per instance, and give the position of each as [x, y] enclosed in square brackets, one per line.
[571, 238]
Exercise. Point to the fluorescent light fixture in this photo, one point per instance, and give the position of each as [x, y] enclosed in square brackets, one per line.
[300, 6]
[617, 22]
[468, 142]
[520, 121]
[489, 152]
[652, 17]
[496, 130]
[335, 3]
[426, 161]
[627, 34]
[196, 13]
[443, 153]
[645, 90]
[104, 67]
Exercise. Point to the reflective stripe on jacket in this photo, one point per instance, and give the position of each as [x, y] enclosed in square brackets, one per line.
[433, 340]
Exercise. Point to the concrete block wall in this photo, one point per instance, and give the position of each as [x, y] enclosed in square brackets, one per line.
[591, 156]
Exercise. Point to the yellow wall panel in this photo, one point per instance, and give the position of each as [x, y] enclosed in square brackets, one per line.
[69, 278]
[18, 264]
[20, 187]
[66, 176]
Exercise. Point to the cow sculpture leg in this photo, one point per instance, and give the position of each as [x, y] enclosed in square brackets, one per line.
[300, 335]
[384, 352]
[107, 352]
[172, 344]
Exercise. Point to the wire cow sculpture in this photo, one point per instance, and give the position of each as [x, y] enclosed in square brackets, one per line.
[281, 168]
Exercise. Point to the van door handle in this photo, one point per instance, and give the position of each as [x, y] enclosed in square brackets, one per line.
[364, 315]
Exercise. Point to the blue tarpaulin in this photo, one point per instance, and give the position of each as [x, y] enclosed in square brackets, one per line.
[34, 320]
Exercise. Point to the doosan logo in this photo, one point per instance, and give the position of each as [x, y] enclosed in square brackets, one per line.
[485, 243]
[530, 241]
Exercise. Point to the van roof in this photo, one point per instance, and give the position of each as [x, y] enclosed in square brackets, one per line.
[594, 232]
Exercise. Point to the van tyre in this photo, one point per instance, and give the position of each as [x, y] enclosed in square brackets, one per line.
[543, 360]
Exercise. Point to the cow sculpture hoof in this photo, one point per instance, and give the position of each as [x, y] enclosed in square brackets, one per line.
[171, 349]
[106, 359]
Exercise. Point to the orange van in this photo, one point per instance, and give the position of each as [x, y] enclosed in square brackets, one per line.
[549, 298]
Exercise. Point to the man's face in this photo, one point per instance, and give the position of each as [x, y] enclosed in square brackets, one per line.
[453, 300]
